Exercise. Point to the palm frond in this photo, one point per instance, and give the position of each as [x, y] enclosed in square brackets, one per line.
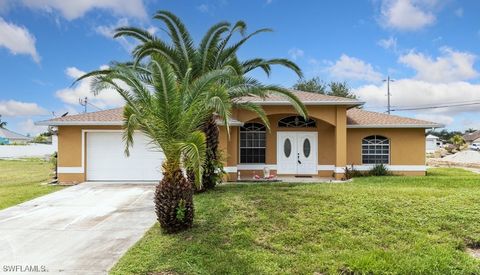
[231, 51]
[134, 32]
[255, 108]
[193, 150]
[209, 46]
[179, 34]
[294, 100]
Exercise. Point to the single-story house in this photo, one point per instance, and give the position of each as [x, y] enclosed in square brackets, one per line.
[10, 137]
[432, 143]
[336, 134]
[472, 137]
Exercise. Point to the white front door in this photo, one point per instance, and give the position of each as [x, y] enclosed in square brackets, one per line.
[297, 153]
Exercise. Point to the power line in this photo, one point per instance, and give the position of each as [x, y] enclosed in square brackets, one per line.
[100, 109]
[421, 106]
[436, 107]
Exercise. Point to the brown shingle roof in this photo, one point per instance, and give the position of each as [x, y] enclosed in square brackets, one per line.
[107, 117]
[472, 136]
[358, 118]
[307, 98]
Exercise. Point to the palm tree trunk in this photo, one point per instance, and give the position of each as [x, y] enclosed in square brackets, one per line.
[174, 202]
[210, 177]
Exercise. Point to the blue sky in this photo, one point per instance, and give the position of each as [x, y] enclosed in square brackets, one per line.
[430, 47]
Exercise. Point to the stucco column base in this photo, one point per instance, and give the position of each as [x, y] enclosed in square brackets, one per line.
[339, 176]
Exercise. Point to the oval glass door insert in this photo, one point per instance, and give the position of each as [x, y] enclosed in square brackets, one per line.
[287, 147]
[306, 147]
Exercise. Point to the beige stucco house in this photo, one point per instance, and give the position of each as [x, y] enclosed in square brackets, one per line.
[336, 134]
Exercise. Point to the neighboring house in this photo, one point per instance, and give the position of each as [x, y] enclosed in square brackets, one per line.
[472, 137]
[432, 143]
[9, 137]
[336, 134]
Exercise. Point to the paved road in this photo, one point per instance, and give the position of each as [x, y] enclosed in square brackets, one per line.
[82, 229]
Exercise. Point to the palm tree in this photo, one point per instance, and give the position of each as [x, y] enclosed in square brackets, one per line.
[214, 52]
[170, 111]
[3, 124]
[457, 141]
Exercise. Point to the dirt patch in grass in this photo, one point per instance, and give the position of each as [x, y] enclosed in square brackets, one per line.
[474, 252]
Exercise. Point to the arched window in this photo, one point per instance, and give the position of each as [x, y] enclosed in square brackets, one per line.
[296, 122]
[375, 150]
[252, 143]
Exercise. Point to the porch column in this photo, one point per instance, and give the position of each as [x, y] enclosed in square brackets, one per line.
[340, 142]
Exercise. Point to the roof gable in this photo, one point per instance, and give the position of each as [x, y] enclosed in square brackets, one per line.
[472, 136]
[5, 133]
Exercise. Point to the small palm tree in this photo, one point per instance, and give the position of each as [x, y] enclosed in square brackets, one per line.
[457, 141]
[3, 124]
[170, 112]
[214, 52]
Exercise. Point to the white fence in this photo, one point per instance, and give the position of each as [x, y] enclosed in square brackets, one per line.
[26, 151]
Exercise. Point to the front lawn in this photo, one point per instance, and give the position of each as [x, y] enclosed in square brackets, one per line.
[400, 225]
[22, 180]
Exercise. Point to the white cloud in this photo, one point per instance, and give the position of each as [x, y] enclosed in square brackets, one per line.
[71, 10]
[407, 15]
[443, 119]
[19, 108]
[28, 127]
[459, 12]
[295, 53]
[109, 30]
[471, 123]
[416, 93]
[352, 68]
[388, 44]
[449, 67]
[18, 40]
[71, 95]
[203, 8]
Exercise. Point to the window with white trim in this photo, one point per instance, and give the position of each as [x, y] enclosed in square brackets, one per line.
[252, 143]
[375, 150]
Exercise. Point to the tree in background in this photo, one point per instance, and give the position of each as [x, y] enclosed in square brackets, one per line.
[340, 89]
[457, 141]
[444, 134]
[316, 85]
[3, 124]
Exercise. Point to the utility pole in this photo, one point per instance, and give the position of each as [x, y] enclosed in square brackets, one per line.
[388, 80]
[84, 103]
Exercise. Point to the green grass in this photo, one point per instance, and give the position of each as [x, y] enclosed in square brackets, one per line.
[383, 225]
[21, 180]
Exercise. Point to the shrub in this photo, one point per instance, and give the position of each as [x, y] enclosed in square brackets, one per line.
[353, 173]
[379, 170]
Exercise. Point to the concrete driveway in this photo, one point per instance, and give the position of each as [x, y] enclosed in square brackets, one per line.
[82, 229]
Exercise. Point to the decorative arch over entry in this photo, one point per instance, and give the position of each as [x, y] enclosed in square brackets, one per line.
[296, 122]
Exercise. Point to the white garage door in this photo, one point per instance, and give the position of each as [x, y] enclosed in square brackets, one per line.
[106, 160]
